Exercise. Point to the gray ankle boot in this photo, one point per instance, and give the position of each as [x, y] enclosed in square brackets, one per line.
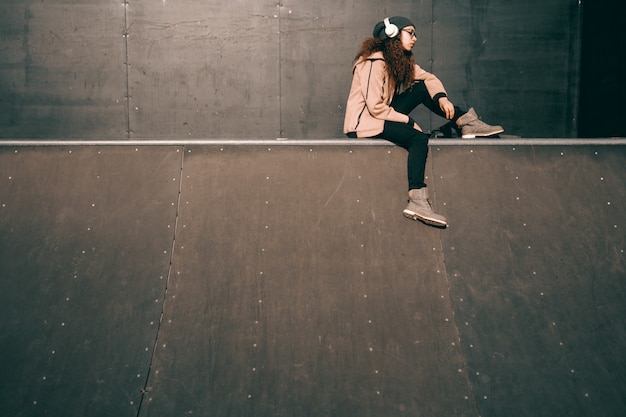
[471, 126]
[419, 208]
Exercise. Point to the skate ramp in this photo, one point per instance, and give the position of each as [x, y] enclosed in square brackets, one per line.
[266, 280]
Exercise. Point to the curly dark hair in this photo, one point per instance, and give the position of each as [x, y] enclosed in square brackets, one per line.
[400, 62]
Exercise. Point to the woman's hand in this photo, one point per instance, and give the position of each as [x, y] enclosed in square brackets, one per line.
[413, 124]
[447, 107]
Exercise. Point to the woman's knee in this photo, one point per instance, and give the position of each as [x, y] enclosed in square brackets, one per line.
[418, 140]
[411, 98]
[419, 136]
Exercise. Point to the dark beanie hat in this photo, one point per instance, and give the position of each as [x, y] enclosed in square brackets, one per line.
[399, 21]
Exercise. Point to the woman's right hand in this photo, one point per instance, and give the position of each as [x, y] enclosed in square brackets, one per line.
[417, 127]
[447, 107]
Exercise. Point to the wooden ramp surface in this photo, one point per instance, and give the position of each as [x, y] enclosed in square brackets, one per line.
[217, 280]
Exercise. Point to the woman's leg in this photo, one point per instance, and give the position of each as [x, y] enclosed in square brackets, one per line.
[416, 143]
[418, 94]
[465, 122]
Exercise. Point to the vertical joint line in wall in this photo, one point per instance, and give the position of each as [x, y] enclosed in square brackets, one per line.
[280, 70]
[126, 65]
[432, 35]
[574, 72]
[432, 55]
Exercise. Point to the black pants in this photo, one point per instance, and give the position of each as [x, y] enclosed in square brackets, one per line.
[414, 141]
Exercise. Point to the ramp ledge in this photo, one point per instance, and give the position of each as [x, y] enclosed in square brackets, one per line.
[307, 142]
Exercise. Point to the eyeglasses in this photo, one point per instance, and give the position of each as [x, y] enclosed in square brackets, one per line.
[411, 32]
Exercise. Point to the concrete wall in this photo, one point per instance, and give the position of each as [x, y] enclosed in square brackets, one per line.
[262, 69]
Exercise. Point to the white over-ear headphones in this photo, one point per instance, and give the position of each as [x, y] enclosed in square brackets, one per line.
[391, 30]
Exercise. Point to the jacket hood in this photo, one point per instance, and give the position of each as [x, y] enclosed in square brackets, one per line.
[374, 56]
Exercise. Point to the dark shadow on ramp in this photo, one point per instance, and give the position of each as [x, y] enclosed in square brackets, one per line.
[535, 261]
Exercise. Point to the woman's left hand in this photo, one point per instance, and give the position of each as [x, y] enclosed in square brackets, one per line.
[447, 107]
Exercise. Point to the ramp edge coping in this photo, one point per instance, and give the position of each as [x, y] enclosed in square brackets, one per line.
[307, 142]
